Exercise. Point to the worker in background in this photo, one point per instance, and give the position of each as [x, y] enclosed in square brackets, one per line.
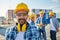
[54, 26]
[23, 30]
[41, 23]
[32, 19]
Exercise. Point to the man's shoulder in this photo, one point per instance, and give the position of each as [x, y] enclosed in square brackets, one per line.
[11, 28]
[54, 18]
[33, 27]
[10, 32]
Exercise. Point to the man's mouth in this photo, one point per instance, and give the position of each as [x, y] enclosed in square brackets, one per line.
[22, 20]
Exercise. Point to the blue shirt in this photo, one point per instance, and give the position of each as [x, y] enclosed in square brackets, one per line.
[38, 21]
[31, 33]
[32, 23]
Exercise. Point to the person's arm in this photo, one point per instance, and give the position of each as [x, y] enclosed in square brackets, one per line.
[37, 22]
[8, 34]
[57, 29]
[57, 25]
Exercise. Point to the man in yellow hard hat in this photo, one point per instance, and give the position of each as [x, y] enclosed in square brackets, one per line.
[40, 23]
[23, 30]
[32, 19]
[54, 26]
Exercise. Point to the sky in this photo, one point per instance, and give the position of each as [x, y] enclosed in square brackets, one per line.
[32, 4]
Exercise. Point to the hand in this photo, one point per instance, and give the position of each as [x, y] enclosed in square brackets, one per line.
[57, 29]
[41, 25]
[38, 24]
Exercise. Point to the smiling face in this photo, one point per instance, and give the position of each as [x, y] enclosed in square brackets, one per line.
[21, 16]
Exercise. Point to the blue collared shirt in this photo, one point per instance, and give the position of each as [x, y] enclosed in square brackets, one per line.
[32, 23]
[30, 34]
[38, 21]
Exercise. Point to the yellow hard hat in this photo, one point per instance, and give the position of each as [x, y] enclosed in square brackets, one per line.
[41, 12]
[21, 7]
[31, 15]
[51, 13]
